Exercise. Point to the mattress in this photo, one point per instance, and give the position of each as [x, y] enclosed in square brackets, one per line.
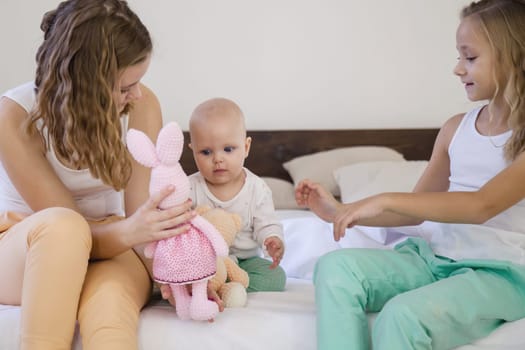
[271, 320]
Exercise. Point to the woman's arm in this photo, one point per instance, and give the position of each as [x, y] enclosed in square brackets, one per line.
[23, 158]
[114, 238]
[144, 222]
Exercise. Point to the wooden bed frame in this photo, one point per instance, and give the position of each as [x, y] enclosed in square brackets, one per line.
[271, 148]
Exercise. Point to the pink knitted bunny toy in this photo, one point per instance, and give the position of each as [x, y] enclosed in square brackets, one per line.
[190, 257]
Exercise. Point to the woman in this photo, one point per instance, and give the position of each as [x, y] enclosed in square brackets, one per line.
[66, 247]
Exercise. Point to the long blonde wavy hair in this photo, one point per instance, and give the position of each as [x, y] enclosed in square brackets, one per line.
[86, 44]
[503, 24]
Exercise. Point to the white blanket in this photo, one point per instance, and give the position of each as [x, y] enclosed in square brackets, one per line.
[271, 320]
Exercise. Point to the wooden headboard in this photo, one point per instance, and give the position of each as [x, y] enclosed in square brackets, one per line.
[272, 148]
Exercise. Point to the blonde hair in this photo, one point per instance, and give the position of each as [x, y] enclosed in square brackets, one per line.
[86, 44]
[503, 23]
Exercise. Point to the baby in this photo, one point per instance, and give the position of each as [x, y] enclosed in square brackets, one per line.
[220, 145]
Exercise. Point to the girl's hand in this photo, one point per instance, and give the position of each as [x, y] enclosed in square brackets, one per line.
[149, 223]
[348, 215]
[313, 196]
[275, 248]
[343, 216]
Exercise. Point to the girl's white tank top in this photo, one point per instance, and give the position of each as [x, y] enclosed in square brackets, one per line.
[474, 160]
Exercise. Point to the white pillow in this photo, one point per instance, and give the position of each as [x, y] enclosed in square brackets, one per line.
[283, 193]
[365, 179]
[320, 166]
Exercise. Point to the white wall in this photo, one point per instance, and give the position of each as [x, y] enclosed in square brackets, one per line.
[290, 64]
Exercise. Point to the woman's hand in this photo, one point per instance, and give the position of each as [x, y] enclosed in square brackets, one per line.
[315, 197]
[149, 223]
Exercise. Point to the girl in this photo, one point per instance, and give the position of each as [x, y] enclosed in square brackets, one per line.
[468, 276]
[66, 248]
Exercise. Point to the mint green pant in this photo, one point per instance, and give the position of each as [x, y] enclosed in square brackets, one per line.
[262, 278]
[424, 301]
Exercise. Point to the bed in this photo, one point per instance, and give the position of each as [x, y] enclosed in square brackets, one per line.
[351, 163]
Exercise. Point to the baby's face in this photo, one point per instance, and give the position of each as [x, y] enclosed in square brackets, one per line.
[220, 147]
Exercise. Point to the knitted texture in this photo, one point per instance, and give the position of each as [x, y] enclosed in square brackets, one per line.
[174, 256]
[164, 161]
[190, 257]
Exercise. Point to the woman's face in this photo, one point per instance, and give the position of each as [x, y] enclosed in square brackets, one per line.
[127, 89]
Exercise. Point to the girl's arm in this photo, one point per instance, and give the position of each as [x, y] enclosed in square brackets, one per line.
[498, 194]
[434, 179]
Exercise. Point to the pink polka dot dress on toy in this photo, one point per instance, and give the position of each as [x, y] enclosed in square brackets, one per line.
[185, 258]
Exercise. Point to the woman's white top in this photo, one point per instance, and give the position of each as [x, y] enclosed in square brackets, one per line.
[474, 160]
[94, 199]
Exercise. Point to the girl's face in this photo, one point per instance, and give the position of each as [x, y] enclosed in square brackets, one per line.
[128, 84]
[219, 148]
[476, 61]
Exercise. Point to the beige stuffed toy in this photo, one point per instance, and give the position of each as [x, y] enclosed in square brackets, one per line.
[230, 281]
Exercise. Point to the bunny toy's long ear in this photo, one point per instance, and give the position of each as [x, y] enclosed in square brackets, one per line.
[170, 143]
[141, 148]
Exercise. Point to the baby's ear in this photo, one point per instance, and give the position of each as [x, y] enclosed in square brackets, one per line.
[247, 146]
[141, 148]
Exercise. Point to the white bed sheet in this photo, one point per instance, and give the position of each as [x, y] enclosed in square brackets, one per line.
[271, 320]
[308, 237]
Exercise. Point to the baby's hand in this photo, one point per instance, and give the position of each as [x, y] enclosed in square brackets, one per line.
[275, 248]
